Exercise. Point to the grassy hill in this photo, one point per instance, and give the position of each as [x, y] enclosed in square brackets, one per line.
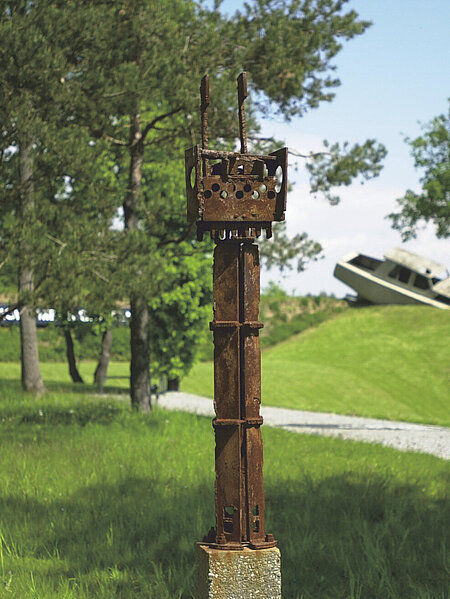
[382, 361]
[283, 316]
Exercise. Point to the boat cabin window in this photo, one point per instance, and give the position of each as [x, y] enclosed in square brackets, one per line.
[365, 262]
[401, 273]
[421, 282]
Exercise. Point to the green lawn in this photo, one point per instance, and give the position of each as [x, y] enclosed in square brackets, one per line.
[382, 362]
[99, 502]
[56, 376]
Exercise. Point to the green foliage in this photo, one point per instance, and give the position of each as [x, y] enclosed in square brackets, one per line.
[177, 314]
[431, 154]
[340, 166]
[281, 251]
[98, 501]
[378, 362]
[284, 316]
[66, 222]
[287, 47]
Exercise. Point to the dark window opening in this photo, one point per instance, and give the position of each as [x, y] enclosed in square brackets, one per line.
[228, 526]
[256, 526]
[365, 262]
[401, 273]
[421, 282]
[404, 274]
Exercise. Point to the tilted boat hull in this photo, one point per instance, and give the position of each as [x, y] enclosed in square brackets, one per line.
[379, 291]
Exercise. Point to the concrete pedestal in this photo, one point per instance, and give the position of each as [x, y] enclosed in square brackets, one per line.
[243, 574]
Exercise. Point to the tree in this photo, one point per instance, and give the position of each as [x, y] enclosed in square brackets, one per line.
[27, 81]
[42, 231]
[431, 154]
[155, 59]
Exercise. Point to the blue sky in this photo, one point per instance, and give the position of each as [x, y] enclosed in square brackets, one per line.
[392, 77]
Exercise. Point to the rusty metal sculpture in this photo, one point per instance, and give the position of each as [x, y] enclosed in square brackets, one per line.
[234, 195]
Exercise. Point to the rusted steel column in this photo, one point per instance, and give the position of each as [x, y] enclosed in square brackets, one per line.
[237, 397]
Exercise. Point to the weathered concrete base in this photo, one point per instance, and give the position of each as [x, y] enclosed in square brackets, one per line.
[243, 574]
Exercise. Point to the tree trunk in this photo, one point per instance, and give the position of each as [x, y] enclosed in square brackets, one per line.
[140, 356]
[139, 345]
[173, 384]
[101, 372]
[70, 354]
[29, 356]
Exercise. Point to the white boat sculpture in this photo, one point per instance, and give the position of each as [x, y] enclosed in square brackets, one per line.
[401, 278]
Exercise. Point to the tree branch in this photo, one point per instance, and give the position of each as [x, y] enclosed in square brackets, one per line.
[115, 94]
[150, 125]
[310, 155]
[117, 142]
[176, 240]
[57, 241]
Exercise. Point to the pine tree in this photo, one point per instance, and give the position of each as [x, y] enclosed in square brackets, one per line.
[145, 66]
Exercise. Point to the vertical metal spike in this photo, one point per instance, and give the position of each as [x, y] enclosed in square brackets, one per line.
[204, 103]
[242, 94]
[204, 95]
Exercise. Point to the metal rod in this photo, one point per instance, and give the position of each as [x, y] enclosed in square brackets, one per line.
[204, 94]
[242, 94]
[204, 103]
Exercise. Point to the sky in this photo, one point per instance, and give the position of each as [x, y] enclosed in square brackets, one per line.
[393, 77]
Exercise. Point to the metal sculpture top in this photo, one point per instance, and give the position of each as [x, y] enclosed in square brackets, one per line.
[234, 194]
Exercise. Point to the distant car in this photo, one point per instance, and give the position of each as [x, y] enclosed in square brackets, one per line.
[401, 278]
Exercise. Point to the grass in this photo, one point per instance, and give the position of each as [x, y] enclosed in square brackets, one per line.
[57, 379]
[382, 362]
[99, 502]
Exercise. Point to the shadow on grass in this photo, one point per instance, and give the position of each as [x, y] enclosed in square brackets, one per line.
[12, 386]
[340, 538]
[47, 413]
[360, 536]
[62, 404]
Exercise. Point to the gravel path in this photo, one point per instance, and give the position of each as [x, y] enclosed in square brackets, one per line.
[400, 435]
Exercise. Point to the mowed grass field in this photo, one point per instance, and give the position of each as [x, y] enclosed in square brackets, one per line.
[384, 362]
[99, 502]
